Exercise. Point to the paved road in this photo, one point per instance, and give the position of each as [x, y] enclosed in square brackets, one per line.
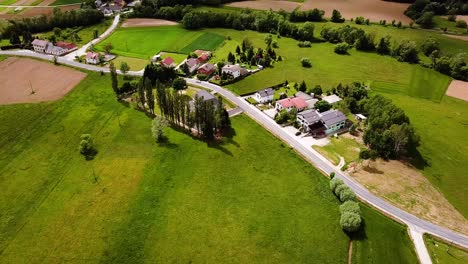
[324, 165]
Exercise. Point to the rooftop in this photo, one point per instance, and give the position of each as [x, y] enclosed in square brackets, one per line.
[331, 99]
[266, 92]
[311, 116]
[332, 117]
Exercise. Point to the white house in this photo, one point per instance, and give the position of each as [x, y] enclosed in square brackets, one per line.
[39, 45]
[92, 58]
[55, 50]
[264, 96]
[234, 70]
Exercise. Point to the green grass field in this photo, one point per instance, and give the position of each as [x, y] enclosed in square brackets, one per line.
[442, 253]
[382, 241]
[442, 22]
[146, 42]
[135, 64]
[8, 2]
[329, 69]
[442, 128]
[185, 201]
[66, 2]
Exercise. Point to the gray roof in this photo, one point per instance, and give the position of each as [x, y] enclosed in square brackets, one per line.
[205, 95]
[331, 99]
[266, 92]
[332, 117]
[40, 42]
[311, 116]
[303, 95]
[233, 68]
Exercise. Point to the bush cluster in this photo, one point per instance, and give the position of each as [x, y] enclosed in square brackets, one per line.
[350, 219]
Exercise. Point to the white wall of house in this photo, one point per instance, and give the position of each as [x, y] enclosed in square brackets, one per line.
[92, 61]
[235, 74]
[261, 99]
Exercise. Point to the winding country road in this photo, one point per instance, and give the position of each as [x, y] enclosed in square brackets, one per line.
[417, 227]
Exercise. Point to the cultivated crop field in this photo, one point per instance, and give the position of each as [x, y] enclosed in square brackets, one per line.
[146, 42]
[183, 201]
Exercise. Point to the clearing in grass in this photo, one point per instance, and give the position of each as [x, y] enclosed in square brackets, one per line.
[443, 253]
[147, 22]
[343, 146]
[458, 89]
[181, 201]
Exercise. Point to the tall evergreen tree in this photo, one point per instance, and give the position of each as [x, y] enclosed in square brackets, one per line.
[149, 94]
[115, 82]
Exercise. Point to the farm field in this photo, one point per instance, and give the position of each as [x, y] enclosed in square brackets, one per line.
[183, 201]
[146, 42]
[442, 253]
[66, 2]
[375, 10]
[266, 5]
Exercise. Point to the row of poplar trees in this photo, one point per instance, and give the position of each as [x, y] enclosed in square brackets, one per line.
[179, 109]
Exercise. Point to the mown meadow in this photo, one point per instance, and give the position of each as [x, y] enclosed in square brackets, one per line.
[444, 253]
[245, 200]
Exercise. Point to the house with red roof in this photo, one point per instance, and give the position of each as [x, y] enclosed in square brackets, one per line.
[66, 45]
[92, 58]
[290, 103]
[168, 62]
[207, 69]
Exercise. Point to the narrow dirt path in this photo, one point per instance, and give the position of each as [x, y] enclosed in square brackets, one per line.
[350, 252]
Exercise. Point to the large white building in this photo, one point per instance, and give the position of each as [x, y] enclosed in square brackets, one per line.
[234, 70]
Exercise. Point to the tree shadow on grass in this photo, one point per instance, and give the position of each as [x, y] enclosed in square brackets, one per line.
[417, 160]
[165, 142]
[359, 235]
[89, 155]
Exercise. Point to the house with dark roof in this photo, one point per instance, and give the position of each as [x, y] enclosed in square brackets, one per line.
[291, 103]
[205, 96]
[321, 123]
[168, 62]
[265, 95]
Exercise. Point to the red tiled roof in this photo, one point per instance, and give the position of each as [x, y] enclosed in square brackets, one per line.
[65, 45]
[296, 102]
[167, 61]
[299, 102]
[203, 58]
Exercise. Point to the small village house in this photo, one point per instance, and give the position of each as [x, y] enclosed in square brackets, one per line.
[291, 103]
[92, 58]
[264, 96]
[310, 100]
[192, 64]
[234, 70]
[207, 69]
[39, 45]
[168, 62]
[327, 123]
[332, 99]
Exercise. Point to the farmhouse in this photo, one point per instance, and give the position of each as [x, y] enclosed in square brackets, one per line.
[168, 62]
[321, 123]
[332, 99]
[290, 103]
[265, 95]
[206, 69]
[92, 58]
[66, 45]
[192, 64]
[39, 45]
[234, 70]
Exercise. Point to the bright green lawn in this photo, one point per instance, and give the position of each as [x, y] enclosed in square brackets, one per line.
[146, 42]
[442, 128]
[382, 241]
[442, 253]
[177, 57]
[289, 91]
[7, 2]
[185, 201]
[340, 147]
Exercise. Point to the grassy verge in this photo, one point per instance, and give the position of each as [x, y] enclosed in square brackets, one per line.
[444, 253]
[344, 147]
[382, 241]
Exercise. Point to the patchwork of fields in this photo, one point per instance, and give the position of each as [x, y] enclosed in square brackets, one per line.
[183, 201]
[146, 42]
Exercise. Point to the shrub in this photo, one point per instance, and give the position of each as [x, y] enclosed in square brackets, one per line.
[461, 24]
[340, 188]
[364, 154]
[336, 17]
[306, 63]
[429, 46]
[347, 195]
[334, 183]
[332, 175]
[406, 51]
[86, 146]
[304, 44]
[322, 106]
[202, 77]
[342, 48]
[350, 222]
[359, 20]
[426, 20]
[157, 128]
[351, 207]
[179, 84]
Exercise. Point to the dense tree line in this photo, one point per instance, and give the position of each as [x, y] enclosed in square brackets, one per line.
[350, 219]
[59, 19]
[357, 37]
[423, 11]
[155, 72]
[314, 15]
[388, 131]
